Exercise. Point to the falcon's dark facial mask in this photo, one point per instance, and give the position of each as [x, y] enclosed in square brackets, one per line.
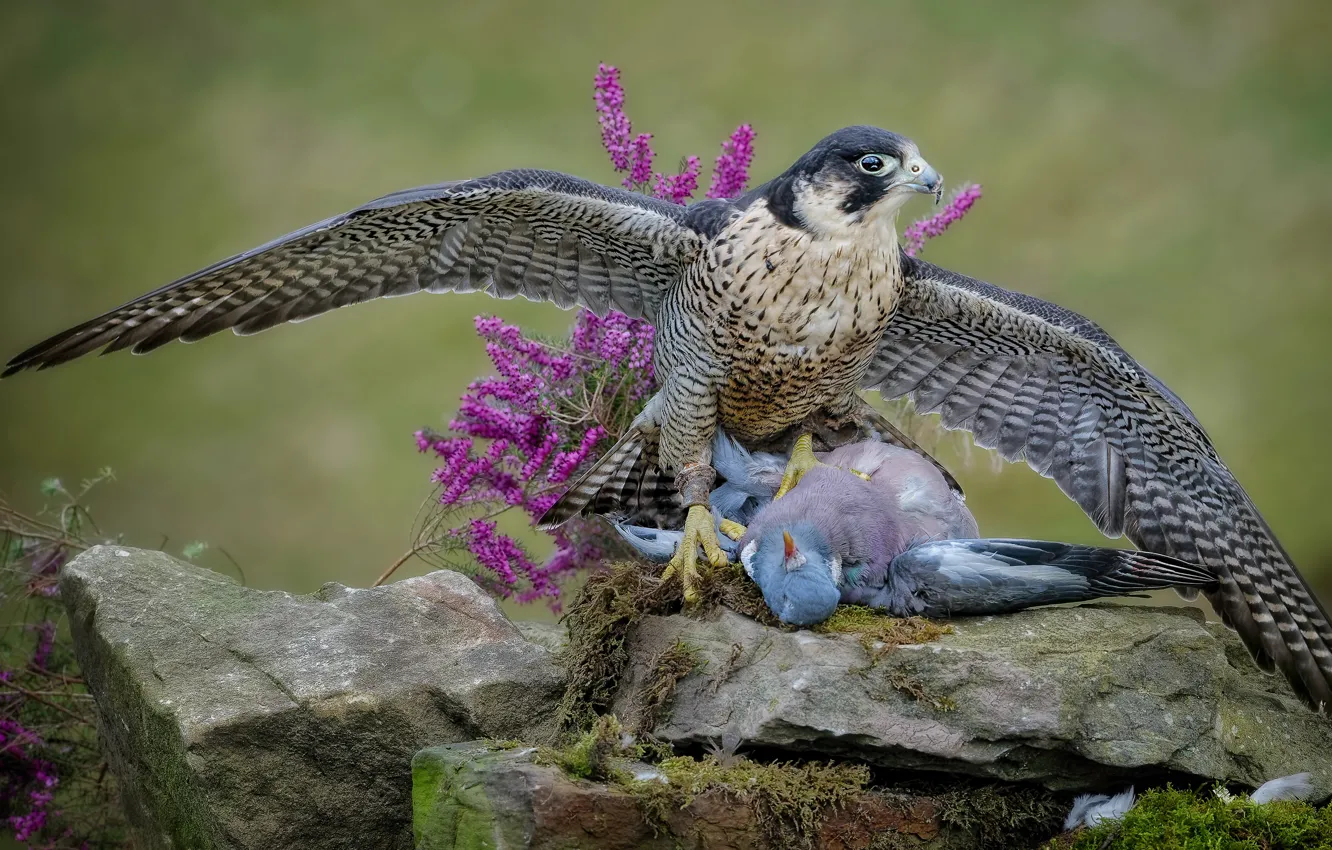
[881, 175]
[856, 175]
[843, 198]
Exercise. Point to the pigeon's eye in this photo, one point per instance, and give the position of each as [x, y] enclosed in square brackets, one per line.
[872, 163]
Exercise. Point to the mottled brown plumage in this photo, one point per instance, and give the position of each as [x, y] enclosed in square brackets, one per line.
[785, 321]
[772, 310]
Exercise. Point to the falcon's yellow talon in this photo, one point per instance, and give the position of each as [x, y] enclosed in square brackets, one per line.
[698, 531]
[732, 529]
[859, 474]
[802, 460]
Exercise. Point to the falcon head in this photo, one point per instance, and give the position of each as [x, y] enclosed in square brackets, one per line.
[857, 176]
[795, 567]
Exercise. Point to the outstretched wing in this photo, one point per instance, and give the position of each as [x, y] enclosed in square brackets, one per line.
[539, 234]
[1041, 383]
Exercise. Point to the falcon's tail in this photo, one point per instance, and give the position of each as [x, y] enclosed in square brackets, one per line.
[627, 481]
[1265, 599]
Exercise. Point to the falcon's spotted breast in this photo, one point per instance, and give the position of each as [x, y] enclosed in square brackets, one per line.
[800, 317]
[772, 310]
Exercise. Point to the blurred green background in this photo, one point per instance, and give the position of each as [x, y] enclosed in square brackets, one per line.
[1163, 168]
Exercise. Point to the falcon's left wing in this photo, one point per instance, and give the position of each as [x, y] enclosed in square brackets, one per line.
[540, 234]
[1046, 385]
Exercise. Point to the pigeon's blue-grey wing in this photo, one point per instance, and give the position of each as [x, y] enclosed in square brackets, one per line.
[734, 503]
[1046, 385]
[751, 478]
[658, 545]
[996, 576]
[539, 234]
[654, 544]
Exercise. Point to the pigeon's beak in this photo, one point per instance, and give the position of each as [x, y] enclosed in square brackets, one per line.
[925, 179]
[793, 559]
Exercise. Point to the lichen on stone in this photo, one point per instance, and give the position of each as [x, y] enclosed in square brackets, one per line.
[903, 679]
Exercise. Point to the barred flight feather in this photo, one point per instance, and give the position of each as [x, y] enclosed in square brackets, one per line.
[538, 234]
[1077, 408]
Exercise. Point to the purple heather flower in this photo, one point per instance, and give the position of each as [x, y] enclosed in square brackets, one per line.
[25, 826]
[565, 463]
[496, 552]
[511, 448]
[678, 188]
[635, 154]
[23, 771]
[928, 228]
[640, 171]
[538, 459]
[731, 172]
[615, 130]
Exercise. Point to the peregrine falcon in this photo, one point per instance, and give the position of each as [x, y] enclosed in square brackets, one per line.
[771, 308]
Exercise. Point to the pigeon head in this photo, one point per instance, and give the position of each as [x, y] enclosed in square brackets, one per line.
[856, 176]
[794, 565]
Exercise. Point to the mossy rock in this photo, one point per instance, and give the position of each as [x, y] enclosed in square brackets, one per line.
[241, 718]
[1074, 698]
[480, 796]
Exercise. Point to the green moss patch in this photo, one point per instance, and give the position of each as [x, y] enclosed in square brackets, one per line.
[789, 799]
[670, 666]
[729, 587]
[1169, 819]
[592, 754]
[879, 633]
[1002, 815]
[599, 621]
[792, 801]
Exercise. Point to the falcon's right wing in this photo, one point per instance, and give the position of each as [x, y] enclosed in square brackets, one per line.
[539, 234]
[1040, 383]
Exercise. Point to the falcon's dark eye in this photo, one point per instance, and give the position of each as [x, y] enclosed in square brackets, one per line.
[872, 163]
